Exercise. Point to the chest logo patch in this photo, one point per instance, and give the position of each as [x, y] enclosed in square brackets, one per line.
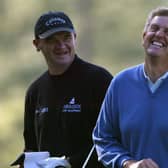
[42, 110]
[72, 106]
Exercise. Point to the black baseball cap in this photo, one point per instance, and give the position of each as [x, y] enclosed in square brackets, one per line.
[52, 22]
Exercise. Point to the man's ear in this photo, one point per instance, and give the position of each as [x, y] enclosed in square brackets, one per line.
[36, 44]
[75, 35]
[143, 36]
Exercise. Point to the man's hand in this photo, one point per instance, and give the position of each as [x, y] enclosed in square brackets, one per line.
[144, 163]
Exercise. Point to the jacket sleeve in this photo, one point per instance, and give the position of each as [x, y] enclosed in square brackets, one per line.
[106, 134]
[29, 123]
[100, 87]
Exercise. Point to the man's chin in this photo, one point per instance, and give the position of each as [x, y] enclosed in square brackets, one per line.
[64, 60]
[153, 53]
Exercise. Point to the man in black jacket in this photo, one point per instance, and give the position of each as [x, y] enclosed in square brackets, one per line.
[62, 105]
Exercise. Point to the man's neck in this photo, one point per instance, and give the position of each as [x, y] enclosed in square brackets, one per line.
[155, 69]
[59, 69]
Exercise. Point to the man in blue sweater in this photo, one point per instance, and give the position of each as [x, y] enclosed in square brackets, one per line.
[132, 127]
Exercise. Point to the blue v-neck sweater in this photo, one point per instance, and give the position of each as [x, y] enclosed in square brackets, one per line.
[133, 121]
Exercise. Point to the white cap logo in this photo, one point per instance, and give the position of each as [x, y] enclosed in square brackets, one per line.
[54, 21]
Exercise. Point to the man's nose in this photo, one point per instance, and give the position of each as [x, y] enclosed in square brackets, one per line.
[160, 33]
[60, 43]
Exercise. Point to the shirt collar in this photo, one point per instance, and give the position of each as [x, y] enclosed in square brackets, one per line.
[164, 76]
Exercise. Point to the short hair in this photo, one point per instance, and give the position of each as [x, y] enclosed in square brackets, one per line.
[160, 11]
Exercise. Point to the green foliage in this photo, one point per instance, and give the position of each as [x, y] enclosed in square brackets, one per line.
[109, 33]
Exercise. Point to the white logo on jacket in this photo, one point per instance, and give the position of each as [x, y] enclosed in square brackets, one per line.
[42, 110]
[72, 106]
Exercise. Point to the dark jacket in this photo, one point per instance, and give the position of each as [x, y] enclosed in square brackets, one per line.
[61, 112]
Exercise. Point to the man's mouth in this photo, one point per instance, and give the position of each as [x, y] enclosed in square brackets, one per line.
[158, 44]
[61, 52]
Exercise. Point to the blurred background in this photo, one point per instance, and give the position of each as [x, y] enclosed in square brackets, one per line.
[109, 33]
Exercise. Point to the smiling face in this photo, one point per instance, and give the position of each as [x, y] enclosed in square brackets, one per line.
[58, 50]
[155, 38]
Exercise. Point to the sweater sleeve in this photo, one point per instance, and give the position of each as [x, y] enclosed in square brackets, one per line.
[106, 134]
